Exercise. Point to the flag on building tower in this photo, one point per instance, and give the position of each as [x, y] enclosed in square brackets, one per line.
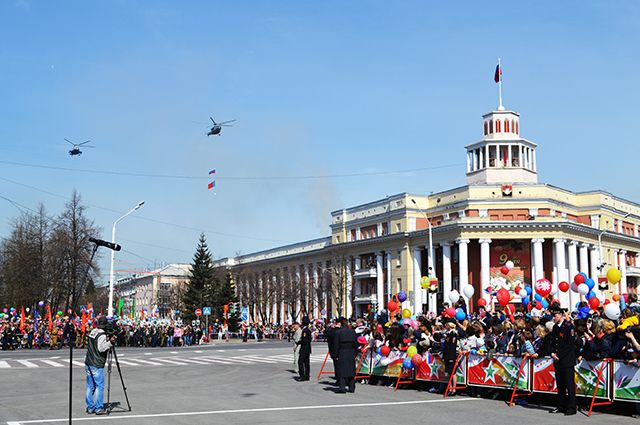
[498, 75]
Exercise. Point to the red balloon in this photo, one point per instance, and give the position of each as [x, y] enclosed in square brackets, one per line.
[385, 350]
[417, 359]
[606, 302]
[482, 302]
[392, 306]
[450, 312]
[538, 305]
[578, 279]
[542, 287]
[517, 289]
[503, 297]
[564, 286]
[504, 270]
[594, 303]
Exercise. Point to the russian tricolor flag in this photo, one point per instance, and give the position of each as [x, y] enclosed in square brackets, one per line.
[498, 75]
[211, 185]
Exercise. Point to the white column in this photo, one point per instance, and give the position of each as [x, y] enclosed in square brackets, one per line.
[572, 297]
[584, 258]
[593, 253]
[485, 265]
[379, 282]
[463, 265]
[417, 274]
[446, 269]
[486, 156]
[347, 302]
[298, 291]
[509, 156]
[315, 291]
[281, 293]
[481, 157]
[389, 289]
[534, 160]
[468, 162]
[562, 272]
[623, 271]
[538, 262]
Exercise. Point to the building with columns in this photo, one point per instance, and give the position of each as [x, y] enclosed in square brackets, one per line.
[460, 236]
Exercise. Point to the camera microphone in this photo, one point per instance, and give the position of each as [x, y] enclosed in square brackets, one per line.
[110, 245]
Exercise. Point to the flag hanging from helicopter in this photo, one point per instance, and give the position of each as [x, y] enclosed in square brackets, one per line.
[213, 183]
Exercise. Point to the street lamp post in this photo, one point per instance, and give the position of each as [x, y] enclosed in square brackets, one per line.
[113, 257]
[430, 269]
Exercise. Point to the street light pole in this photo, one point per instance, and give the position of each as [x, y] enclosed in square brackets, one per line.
[113, 257]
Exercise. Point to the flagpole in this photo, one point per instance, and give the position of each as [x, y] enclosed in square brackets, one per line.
[500, 107]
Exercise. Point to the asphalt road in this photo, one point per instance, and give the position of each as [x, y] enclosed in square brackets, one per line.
[238, 384]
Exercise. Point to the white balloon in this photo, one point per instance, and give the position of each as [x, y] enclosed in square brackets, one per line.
[612, 311]
[27, 309]
[554, 290]
[574, 287]
[583, 289]
[522, 293]
[454, 296]
[509, 264]
[468, 290]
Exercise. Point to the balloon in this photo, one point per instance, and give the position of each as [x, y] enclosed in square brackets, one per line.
[543, 287]
[12, 309]
[504, 270]
[545, 304]
[503, 297]
[579, 278]
[583, 289]
[612, 311]
[41, 304]
[528, 289]
[415, 324]
[402, 296]
[526, 300]
[385, 350]
[522, 293]
[460, 314]
[406, 313]
[450, 312]
[392, 306]
[594, 303]
[406, 363]
[563, 286]
[509, 264]
[574, 287]
[468, 291]
[27, 309]
[590, 283]
[4, 310]
[412, 350]
[362, 340]
[454, 296]
[590, 295]
[59, 313]
[482, 302]
[539, 305]
[538, 297]
[416, 359]
[553, 291]
[614, 275]
[616, 298]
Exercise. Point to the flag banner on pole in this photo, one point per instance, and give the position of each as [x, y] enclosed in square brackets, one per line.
[35, 318]
[48, 316]
[22, 320]
[211, 185]
[212, 171]
[498, 74]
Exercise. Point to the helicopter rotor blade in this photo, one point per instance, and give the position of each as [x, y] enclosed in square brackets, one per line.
[226, 122]
[212, 120]
[69, 141]
[84, 143]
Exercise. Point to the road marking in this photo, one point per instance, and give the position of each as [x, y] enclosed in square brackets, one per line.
[149, 362]
[77, 363]
[164, 359]
[174, 352]
[4, 364]
[27, 363]
[148, 354]
[213, 360]
[198, 351]
[128, 362]
[259, 359]
[52, 363]
[263, 409]
[191, 361]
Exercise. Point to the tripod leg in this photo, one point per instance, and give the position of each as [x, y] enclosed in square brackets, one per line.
[109, 359]
[124, 388]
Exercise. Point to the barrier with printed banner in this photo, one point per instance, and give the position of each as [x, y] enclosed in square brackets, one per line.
[544, 378]
[387, 366]
[626, 382]
[433, 369]
[499, 371]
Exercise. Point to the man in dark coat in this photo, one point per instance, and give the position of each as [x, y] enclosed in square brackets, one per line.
[330, 334]
[564, 356]
[304, 365]
[346, 346]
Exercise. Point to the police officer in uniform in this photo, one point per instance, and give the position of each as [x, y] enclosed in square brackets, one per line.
[97, 348]
[564, 356]
[330, 334]
[304, 364]
[345, 346]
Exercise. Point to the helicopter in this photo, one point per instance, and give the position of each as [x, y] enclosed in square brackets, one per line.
[76, 148]
[217, 127]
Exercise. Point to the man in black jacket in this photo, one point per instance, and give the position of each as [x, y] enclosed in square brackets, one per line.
[346, 346]
[304, 364]
[98, 346]
[330, 334]
[564, 356]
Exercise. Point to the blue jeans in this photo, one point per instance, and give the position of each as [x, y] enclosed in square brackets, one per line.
[170, 341]
[95, 385]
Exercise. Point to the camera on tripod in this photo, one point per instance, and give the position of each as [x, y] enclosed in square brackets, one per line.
[111, 328]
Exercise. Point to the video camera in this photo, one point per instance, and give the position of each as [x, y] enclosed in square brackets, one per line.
[112, 328]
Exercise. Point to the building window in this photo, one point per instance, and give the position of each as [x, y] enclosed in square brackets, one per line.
[486, 128]
[399, 284]
[490, 126]
[353, 235]
[498, 126]
[338, 239]
[399, 259]
[517, 127]
[506, 126]
[385, 229]
[398, 227]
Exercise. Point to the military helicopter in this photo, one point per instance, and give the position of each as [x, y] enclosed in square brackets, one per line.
[76, 148]
[217, 127]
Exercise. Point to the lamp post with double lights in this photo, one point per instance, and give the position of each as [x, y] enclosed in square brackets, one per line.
[113, 257]
[432, 306]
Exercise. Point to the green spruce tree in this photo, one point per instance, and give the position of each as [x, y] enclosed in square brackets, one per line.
[201, 285]
[226, 294]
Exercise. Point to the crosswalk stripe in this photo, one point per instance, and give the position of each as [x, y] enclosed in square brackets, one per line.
[52, 363]
[145, 361]
[169, 361]
[75, 362]
[127, 362]
[4, 364]
[193, 361]
[213, 360]
[259, 359]
[27, 363]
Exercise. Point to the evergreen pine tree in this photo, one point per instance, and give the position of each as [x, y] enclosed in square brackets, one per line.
[226, 294]
[201, 284]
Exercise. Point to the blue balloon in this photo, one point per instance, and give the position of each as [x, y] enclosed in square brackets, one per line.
[460, 315]
[585, 275]
[402, 296]
[528, 289]
[590, 283]
[538, 297]
[526, 300]
[407, 363]
[590, 295]
[545, 303]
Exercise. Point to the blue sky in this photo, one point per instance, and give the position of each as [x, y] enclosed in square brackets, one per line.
[320, 88]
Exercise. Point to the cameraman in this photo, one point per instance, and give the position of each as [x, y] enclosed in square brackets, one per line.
[98, 346]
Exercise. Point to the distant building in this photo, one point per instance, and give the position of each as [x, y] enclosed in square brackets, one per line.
[152, 293]
[502, 214]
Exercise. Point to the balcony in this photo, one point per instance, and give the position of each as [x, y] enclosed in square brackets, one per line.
[365, 298]
[365, 273]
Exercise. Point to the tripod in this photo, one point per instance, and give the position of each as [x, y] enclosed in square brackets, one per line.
[111, 355]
